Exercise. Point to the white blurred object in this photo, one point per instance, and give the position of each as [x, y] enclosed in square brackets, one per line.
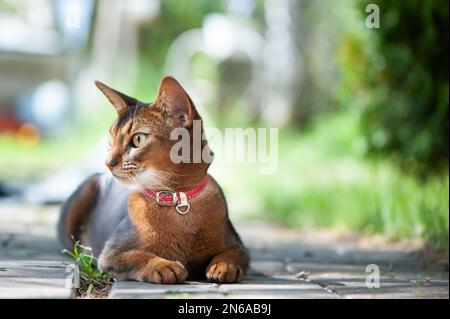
[143, 10]
[220, 38]
[244, 8]
[17, 36]
[275, 63]
[218, 34]
[112, 44]
[50, 102]
[74, 20]
[47, 105]
[60, 186]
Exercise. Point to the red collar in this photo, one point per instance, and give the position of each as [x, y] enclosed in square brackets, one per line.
[180, 199]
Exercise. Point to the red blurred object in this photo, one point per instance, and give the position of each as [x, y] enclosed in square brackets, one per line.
[9, 123]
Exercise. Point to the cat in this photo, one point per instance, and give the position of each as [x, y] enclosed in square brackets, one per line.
[134, 235]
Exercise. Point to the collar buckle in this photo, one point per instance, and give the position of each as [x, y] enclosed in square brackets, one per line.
[160, 201]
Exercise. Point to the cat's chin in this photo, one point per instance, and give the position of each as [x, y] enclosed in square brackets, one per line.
[145, 179]
[126, 181]
[133, 186]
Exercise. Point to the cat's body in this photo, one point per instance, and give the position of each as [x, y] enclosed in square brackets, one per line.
[136, 237]
[109, 207]
[174, 236]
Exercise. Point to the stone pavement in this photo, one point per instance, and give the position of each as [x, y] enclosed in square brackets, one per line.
[32, 266]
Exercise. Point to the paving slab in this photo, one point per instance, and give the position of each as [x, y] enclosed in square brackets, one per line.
[253, 286]
[389, 288]
[267, 268]
[31, 263]
[33, 279]
[334, 269]
[32, 266]
[29, 246]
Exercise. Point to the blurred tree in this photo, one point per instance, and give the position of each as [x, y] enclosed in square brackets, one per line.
[329, 38]
[176, 16]
[316, 30]
[406, 114]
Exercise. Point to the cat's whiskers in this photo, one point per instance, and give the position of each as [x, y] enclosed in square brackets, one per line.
[156, 175]
[137, 181]
[134, 179]
[147, 174]
[156, 178]
[168, 172]
[153, 171]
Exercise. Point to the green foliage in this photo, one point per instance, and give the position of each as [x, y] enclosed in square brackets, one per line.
[400, 78]
[325, 180]
[93, 282]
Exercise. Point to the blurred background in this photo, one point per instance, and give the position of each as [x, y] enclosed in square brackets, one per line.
[362, 112]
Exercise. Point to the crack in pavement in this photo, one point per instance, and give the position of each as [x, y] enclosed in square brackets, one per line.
[323, 285]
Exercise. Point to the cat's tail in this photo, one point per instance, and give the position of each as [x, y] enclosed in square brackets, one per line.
[76, 210]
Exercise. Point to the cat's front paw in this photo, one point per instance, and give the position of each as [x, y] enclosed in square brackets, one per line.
[224, 272]
[165, 272]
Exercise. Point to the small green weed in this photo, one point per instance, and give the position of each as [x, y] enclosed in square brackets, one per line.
[93, 282]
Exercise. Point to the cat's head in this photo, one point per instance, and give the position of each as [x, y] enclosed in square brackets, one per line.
[140, 144]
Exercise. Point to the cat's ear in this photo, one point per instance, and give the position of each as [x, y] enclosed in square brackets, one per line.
[120, 101]
[180, 105]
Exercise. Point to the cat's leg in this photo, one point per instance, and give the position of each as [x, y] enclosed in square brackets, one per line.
[141, 266]
[126, 260]
[229, 266]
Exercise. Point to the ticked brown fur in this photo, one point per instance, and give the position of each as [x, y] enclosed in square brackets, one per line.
[135, 237]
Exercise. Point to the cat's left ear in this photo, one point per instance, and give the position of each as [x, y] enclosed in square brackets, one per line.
[180, 105]
[120, 101]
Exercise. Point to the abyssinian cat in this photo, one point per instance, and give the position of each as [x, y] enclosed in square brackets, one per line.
[172, 223]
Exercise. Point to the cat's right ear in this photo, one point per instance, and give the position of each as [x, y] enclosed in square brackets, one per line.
[120, 101]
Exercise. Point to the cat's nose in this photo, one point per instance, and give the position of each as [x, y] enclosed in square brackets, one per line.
[111, 163]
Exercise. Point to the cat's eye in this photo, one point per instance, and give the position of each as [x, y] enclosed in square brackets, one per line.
[138, 140]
